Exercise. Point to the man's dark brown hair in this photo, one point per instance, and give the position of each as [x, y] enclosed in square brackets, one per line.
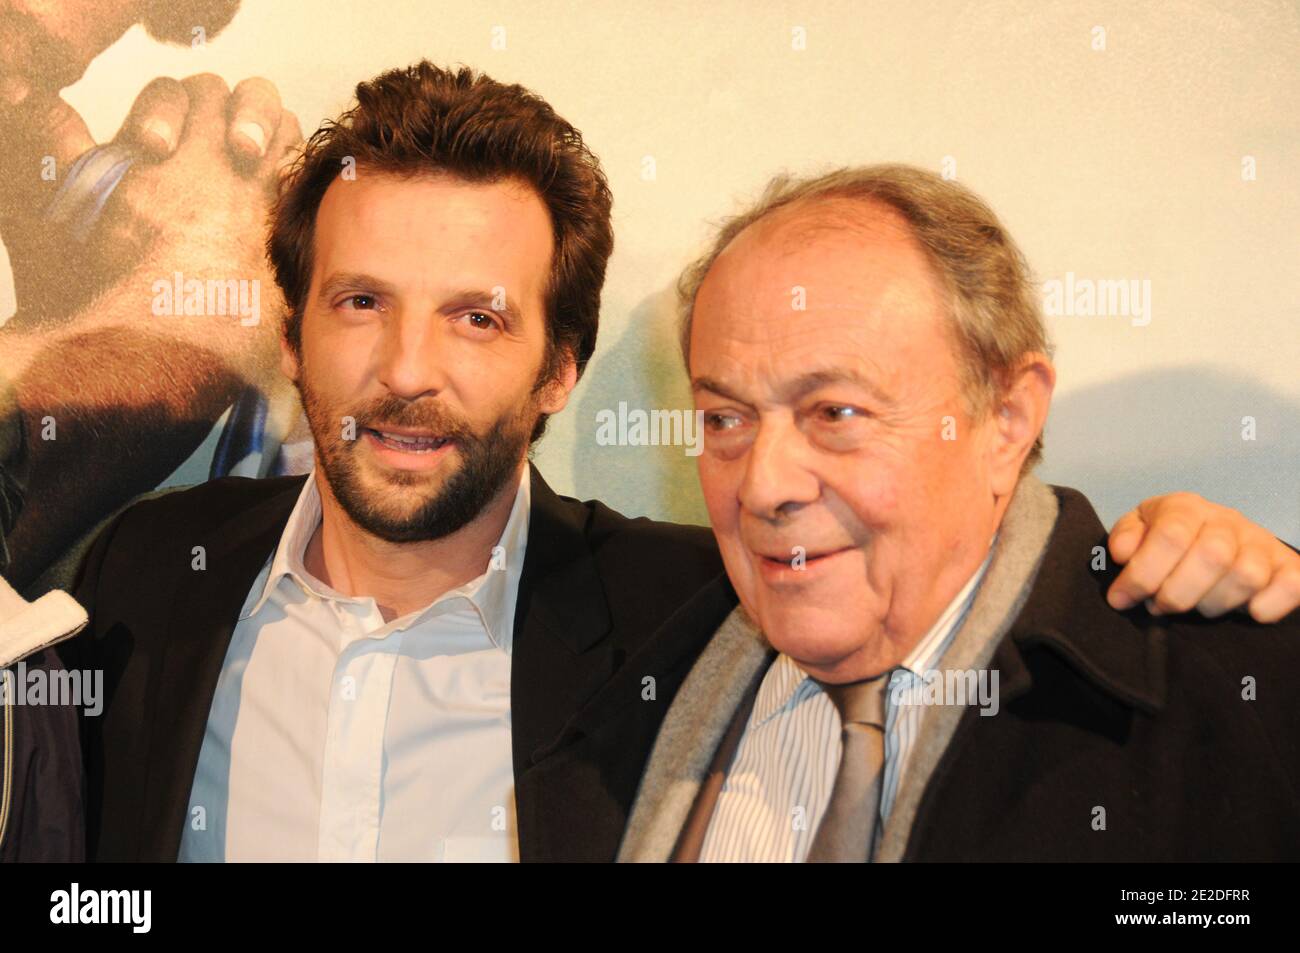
[423, 119]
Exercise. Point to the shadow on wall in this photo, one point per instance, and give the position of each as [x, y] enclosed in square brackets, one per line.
[1180, 429]
[1120, 442]
[643, 371]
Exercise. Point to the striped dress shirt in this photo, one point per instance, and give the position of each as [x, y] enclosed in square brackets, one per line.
[780, 781]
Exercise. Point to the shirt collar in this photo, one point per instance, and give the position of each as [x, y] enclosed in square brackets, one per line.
[927, 653]
[786, 685]
[493, 594]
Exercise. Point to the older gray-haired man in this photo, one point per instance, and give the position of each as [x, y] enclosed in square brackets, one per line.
[923, 664]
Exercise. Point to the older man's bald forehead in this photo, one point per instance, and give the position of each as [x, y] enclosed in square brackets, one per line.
[796, 241]
[806, 220]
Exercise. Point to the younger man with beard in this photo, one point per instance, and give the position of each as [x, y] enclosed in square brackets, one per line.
[420, 651]
[321, 669]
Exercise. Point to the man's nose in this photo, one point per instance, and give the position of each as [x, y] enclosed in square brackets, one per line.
[413, 355]
[778, 477]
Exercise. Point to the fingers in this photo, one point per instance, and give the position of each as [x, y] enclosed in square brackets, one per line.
[1166, 541]
[1209, 559]
[254, 119]
[1194, 554]
[1126, 535]
[205, 123]
[1282, 595]
[250, 121]
[284, 147]
[157, 117]
[62, 131]
[43, 129]
[1250, 572]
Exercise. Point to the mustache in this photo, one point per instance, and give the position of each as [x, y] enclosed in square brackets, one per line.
[422, 414]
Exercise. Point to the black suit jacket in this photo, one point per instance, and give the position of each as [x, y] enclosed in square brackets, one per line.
[1140, 716]
[594, 665]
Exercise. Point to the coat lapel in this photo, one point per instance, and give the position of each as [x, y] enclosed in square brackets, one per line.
[1057, 537]
[204, 611]
[1121, 653]
[696, 722]
[561, 657]
[575, 795]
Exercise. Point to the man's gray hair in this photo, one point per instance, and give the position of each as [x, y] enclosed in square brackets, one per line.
[992, 302]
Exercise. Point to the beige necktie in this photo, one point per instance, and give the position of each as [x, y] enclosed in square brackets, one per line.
[847, 829]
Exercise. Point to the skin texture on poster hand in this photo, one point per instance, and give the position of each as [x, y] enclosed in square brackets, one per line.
[121, 383]
[44, 48]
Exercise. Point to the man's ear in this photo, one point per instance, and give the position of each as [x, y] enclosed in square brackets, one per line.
[555, 393]
[288, 359]
[1019, 418]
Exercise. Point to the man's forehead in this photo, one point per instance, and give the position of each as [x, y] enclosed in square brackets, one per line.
[436, 226]
[817, 258]
[808, 300]
[388, 195]
[854, 303]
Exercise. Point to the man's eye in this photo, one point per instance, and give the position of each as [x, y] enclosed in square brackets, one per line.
[361, 302]
[834, 413]
[716, 421]
[481, 320]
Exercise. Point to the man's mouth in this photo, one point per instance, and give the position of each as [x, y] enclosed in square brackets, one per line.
[799, 558]
[408, 441]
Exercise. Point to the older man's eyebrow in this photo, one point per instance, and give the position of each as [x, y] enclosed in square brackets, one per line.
[717, 387]
[805, 384]
[355, 281]
[802, 385]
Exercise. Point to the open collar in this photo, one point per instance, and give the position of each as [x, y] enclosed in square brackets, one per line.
[492, 593]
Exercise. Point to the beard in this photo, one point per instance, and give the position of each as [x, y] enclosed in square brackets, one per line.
[380, 506]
